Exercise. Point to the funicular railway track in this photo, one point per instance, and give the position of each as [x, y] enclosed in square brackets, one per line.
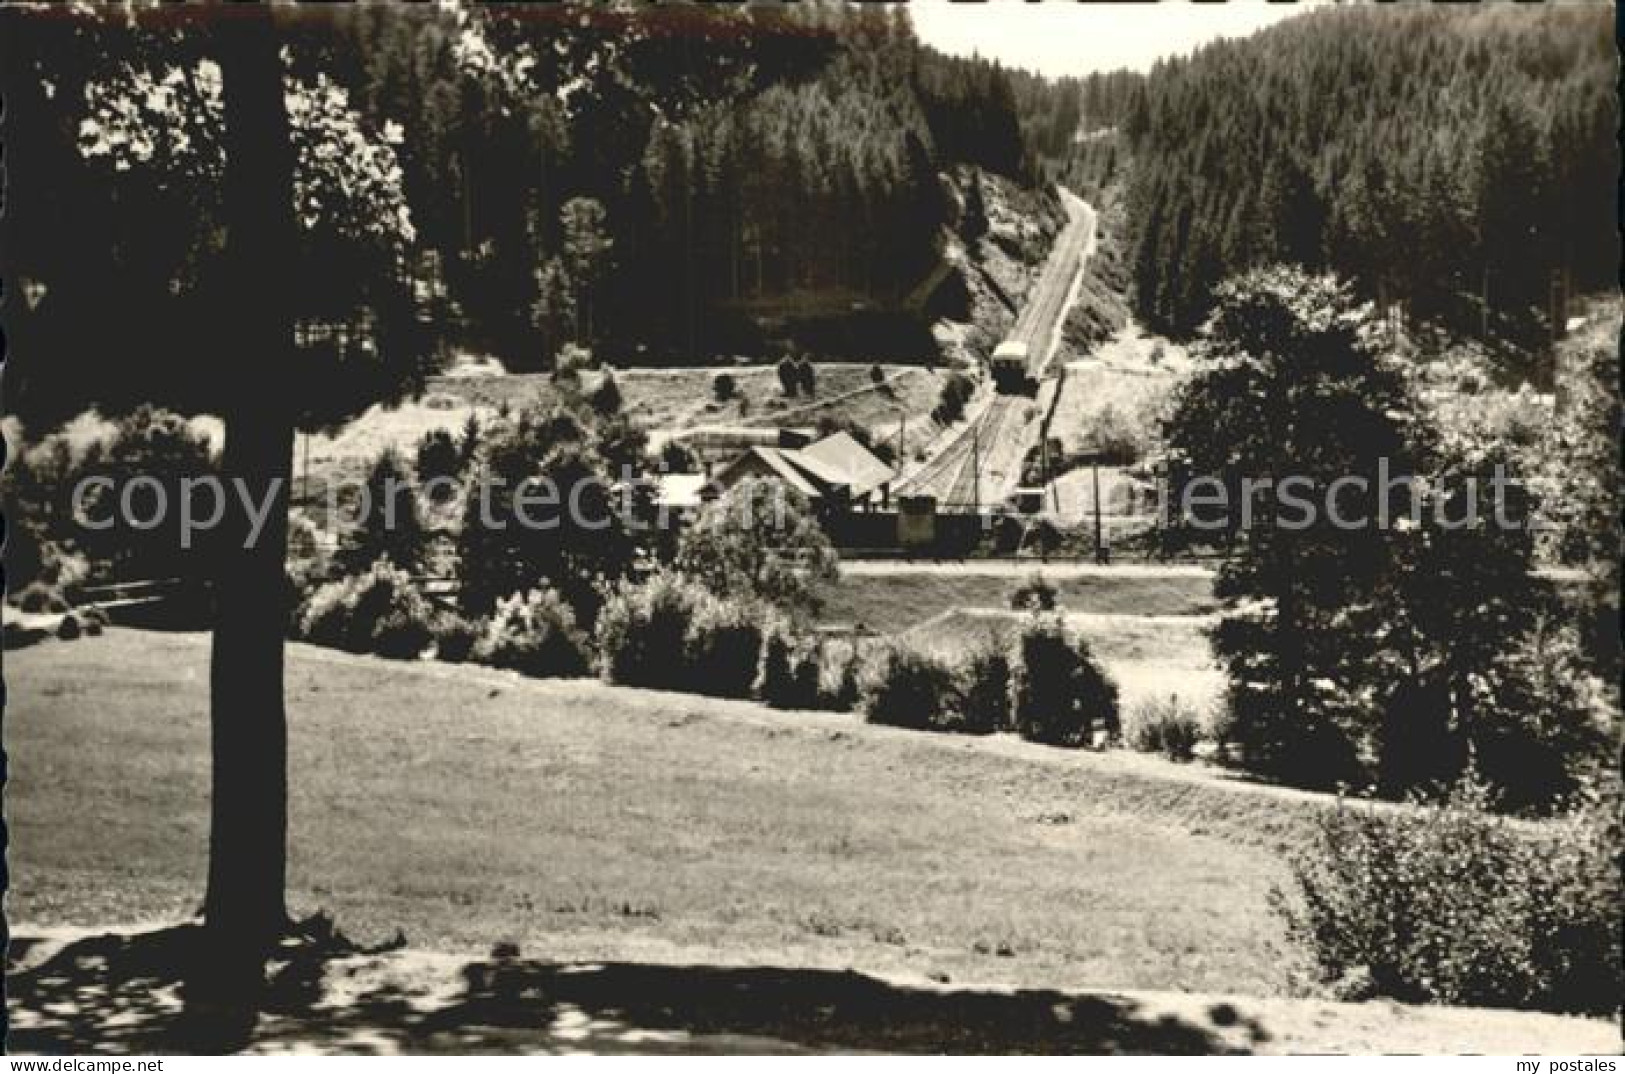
[956, 474]
[1037, 323]
[982, 463]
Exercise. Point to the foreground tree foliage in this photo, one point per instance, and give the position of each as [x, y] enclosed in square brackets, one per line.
[220, 199]
[1383, 622]
[542, 510]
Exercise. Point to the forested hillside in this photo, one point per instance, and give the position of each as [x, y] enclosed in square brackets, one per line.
[656, 183]
[1440, 156]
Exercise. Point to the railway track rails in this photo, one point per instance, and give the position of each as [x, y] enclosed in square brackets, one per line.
[981, 464]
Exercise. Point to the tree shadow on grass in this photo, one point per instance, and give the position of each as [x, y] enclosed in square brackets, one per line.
[125, 994]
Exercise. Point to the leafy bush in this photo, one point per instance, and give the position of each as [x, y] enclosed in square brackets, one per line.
[380, 610]
[455, 636]
[789, 382]
[840, 686]
[439, 458]
[722, 647]
[677, 458]
[806, 377]
[605, 398]
[1449, 904]
[955, 393]
[908, 688]
[672, 633]
[1062, 696]
[1167, 726]
[986, 708]
[777, 686]
[807, 675]
[41, 597]
[761, 542]
[793, 673]
[641, 631]
[391, 522]
[534, 633]
[723, 387]
[1036, 594]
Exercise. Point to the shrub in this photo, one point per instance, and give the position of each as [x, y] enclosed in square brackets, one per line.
[677, 458]
[722, 647]
[1061, 693]
[1167, 726]
[41, 597]
[69, 628]
[641, 631]
[606, 397]
[789, 382]
[777, 685]
[438, 457]
[807, 675]
[380, 610]
[152, 444]
[910, 689]
[723, 387]
[840, 686]
[955, 393]
[455, 636]
[1449, 904]
[534, 633]
[760, 542]
[1036, 594]
[986, 691]
[793, 673]
[392, 523]
[877, 375]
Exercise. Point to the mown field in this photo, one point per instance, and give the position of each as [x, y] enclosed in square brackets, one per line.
[470, 807]
[889, 597]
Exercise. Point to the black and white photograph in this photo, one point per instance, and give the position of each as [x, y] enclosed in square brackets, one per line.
[811, 528]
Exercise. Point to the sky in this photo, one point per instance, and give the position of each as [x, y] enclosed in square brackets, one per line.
[1066, 37]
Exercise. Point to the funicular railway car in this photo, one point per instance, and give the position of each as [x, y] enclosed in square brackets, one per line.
[1009, 365]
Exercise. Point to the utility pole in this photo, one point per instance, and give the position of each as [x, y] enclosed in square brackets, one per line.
[976, 465]
[1100, 545]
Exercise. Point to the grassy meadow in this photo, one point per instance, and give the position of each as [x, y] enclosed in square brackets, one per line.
[471, 807]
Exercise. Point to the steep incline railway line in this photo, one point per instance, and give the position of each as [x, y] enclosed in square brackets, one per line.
[982, 463]
[1036, 325]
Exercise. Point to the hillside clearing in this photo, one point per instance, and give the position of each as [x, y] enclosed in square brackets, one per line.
[656, 400]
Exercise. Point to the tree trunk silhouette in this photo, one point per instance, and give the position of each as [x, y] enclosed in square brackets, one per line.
[244, 908]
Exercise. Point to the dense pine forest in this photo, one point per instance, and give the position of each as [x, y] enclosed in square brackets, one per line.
[656, 184]
[1454, 162]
